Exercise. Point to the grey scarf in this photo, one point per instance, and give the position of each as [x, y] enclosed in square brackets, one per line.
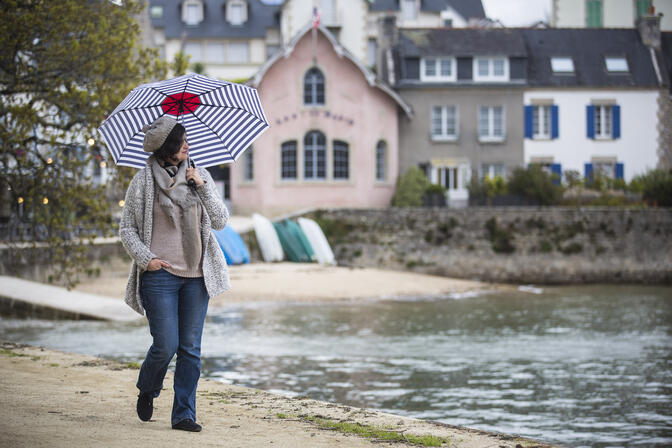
[178, 200]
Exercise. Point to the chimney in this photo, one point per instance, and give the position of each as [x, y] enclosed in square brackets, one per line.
[388, 36]
[649, 29]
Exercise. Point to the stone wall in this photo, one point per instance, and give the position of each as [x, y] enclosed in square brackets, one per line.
[520, 245]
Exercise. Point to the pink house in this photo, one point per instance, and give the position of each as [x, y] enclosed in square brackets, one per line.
[333, 139]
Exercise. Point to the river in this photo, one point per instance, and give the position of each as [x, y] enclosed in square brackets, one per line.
[580, 366]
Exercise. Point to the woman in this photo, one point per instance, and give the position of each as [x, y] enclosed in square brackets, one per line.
[177, 264]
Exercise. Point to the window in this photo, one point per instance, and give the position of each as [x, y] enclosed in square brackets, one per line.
[341, 157]
[603, 122]
[248, 165]
[288, 160]
[448, 178]
[438, 69]
[604, 167]
[491, 69]
[562, 65]
[491, 123]
[156, 12]
[448, 23]
[616, 64]
[314, 156]
[408, 9]
[381, 158]
[313, 88]
[371, 52]
[192, 12]
[541, 121]
[492, 170]
[194, 50]
[238, 52]
[444, 123]
[642, 7]
[594, 13]
[236, 16]
[215, 53]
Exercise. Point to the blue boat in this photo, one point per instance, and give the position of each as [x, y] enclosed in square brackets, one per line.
[232, 245]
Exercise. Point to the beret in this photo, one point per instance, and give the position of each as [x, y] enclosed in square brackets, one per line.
[157, 132]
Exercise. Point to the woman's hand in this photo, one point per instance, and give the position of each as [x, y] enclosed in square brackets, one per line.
[192, 173]
[155, 264]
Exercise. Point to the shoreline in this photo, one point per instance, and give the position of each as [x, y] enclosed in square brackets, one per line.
[69, 400]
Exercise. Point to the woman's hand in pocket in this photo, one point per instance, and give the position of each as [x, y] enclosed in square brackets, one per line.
[155, 264]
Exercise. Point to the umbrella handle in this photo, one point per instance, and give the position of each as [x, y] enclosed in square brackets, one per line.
[191, 182]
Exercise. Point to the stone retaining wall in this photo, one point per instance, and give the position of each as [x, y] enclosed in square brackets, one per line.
[521, 245]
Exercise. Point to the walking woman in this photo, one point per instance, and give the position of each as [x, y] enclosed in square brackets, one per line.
[177, 264]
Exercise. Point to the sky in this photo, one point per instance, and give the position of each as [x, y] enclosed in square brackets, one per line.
[518, 12]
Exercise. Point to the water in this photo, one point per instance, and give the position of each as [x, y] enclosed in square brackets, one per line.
[581, 366]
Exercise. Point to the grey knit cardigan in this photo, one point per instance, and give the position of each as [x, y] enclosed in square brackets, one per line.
[135, 231]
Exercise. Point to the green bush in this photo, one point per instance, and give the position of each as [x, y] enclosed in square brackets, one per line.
[535, 184]
[410, 188]
[655, 187]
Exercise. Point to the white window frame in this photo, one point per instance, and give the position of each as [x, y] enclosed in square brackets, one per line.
[405, 10]
[541, 124]
[215, 53]
[491, 77]
[438, 77]
[241, 44]
[243, 12]
[192, 12]
[604, 122]
[156, 11]
[490, 170]
[444, 135]
[604, 168]
[613, 64]
[562, 65]
[490, 136]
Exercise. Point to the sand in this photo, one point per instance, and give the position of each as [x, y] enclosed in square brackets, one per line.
[55, 399]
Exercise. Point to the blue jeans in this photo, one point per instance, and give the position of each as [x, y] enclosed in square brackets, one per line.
[175, 308]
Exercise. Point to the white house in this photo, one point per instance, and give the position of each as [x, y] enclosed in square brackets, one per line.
[607, 13]
[592, 102]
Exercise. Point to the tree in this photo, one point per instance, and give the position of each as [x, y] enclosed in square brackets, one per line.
[180, 64]
[410, 188]
[535, 184]
[64, 66]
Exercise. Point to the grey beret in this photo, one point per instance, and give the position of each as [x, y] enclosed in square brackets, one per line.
[157, 132]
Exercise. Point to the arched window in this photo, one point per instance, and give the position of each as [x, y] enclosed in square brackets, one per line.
[314, 156]
[248, 160]
[381, 160]
[341, 160]
[288, 160]
[313, 88]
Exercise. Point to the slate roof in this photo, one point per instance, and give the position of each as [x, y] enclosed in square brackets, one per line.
[666, 53]
[260, 16]
[460, 42]
[588, 47]
[466, 8]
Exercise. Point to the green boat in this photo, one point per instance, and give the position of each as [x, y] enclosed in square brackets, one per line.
[291, 243]
[305, 244]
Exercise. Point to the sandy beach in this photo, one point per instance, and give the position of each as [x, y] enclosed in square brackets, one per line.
[305, 282]
[66, 400]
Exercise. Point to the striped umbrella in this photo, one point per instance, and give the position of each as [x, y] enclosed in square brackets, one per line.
[222, 119]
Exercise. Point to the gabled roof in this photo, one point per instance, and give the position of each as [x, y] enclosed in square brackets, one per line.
[460, 42]
[466, 8]
[342, 52]
[260, 16]
[587, 48]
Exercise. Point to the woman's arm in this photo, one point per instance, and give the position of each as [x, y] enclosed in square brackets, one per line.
[214, 206]
[129, 233]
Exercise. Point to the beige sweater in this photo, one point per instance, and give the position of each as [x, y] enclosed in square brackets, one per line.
[167, 242]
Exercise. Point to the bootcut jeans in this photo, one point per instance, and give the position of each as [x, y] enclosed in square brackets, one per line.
[175, 308]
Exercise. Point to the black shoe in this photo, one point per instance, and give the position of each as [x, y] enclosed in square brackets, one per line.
[188, 425]
[145, 406]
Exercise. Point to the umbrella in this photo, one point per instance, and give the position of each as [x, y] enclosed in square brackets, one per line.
[222, 119]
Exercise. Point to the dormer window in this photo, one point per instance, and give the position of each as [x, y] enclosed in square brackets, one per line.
[616, 64]
[409, 10]
[491, 69]
[562, 65]
[236, 12]
[438, 69]
[156, 11]
[192, 12]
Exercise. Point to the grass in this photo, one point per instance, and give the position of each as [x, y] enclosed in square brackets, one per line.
[371, 432]
[133, 365]
[11, 354]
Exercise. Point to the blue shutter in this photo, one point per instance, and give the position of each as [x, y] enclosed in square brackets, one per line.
[556, 171]
[619, 171]
[554, 122]
[588, 171]
[529, 117]
[590, 121]
[616, 116]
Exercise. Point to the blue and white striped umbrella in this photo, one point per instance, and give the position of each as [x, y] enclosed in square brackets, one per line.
[222, 119]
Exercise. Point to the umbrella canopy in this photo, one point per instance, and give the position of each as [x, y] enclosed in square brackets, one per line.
[222, 119]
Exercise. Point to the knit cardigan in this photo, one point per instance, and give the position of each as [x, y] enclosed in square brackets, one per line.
[135, 231]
